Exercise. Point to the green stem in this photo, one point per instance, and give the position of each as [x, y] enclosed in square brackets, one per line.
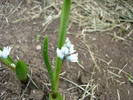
[62, 34]
[56, 74]
[8, 63]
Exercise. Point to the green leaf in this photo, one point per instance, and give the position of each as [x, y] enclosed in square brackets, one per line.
[8, 61]
[64, 22]
[21, 70]
[46, 59]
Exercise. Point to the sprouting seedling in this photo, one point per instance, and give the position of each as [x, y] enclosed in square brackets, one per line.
[19, 67]
[65, 51]
[6, 59]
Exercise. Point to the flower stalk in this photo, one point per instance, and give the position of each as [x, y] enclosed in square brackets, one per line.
[62, 35]
[61, 55]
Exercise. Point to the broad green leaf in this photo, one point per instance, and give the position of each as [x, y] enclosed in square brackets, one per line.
[21, 71]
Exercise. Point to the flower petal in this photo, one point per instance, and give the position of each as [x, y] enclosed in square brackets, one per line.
[73, 57]
[59, 53]
[5, 52]
[64, 50]
[68, 43]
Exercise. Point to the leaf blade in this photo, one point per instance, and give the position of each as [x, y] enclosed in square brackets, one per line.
[21, 70]
[46, 59]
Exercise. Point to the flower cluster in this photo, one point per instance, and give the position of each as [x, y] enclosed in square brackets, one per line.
[67, 52]
[5, 52]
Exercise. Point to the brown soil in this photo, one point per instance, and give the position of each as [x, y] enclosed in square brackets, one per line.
[105, 62]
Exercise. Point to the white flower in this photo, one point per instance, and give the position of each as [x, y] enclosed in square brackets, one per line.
[67, 52]
[61, 53]
[5, 52]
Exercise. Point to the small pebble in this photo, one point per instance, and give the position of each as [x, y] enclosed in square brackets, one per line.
[93, 39]
[38, 47]
[23, 99]
[36, 95]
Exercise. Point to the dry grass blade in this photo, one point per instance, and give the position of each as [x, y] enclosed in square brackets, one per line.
[77, 86]
[118, 94]
[92, 56]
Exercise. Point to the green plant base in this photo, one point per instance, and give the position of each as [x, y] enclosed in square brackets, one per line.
[56, 96]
